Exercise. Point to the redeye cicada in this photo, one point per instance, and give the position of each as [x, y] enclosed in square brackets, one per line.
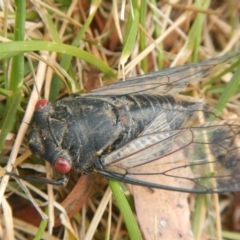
[123, 130]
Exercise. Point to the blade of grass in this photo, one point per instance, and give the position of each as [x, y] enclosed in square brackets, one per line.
[66, 59]
[126, 211]
[27, 46]
[42, 227]
[216, 78]
[230, 89]
[231, 235]
[199, 216]
[130, 34]
[9, 55]
[16, 76]
[195, 33]
[142, 39]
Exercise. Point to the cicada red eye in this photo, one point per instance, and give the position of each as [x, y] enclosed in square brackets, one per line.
[41, 104]
[62, 165]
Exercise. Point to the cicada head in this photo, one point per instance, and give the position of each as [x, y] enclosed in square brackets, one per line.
[45, 137]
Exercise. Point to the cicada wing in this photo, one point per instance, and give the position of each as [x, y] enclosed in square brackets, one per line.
[204, 159]
[168, 81]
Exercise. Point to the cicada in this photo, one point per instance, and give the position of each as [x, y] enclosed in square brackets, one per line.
[124, 130]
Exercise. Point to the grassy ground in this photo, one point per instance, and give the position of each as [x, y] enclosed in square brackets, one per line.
[62, 47]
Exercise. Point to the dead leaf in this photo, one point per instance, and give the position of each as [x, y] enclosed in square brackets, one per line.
[163, 214]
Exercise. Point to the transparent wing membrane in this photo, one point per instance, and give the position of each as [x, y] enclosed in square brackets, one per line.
[168, 81]
[203, 159]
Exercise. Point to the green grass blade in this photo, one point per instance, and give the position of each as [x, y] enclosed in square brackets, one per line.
[230, 235]
[230, 89]
[142, 38]
[9, 55]
[42, 227]
[198, 215]
[15, 83]
[66, 59]
[9, 116]
[195, 33]
[126, 211]
[28, 46]
[130, 36]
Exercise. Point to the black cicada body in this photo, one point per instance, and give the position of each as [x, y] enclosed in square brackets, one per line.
[139, 129]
